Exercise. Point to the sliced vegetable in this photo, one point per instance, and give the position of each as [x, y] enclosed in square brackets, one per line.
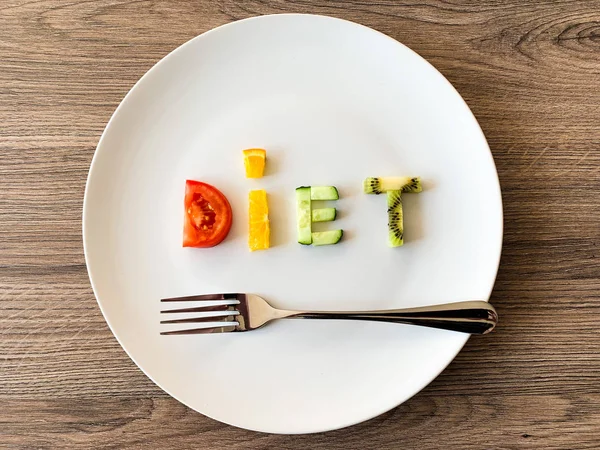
[304, 215]
[304, 197]
[379, 185]
[259, 227]
[254, 162]
[327, 237]
[394, 187]
[395, 219]
[207, 218]
[324, 193]
[323, 214]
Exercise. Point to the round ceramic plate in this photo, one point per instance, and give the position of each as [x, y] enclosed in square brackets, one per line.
[333, 102]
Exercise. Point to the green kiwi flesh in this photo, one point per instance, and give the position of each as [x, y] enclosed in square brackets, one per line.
[395, 219]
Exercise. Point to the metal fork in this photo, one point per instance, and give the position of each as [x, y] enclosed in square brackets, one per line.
[247, 312]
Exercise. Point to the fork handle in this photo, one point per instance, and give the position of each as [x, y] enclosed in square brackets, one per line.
[473, 317]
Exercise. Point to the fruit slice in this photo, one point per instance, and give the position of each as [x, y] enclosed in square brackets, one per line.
[395, 219]
[379, 185]
[259, 231]
[327, 237]
[304, 215]
[254, 162]
[324, 193]
[323, 214]
[208, 216]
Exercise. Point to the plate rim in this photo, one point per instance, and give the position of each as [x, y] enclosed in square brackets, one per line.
[126, 98]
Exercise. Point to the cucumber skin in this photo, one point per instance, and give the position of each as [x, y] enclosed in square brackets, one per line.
[327, 237]
[303, 211]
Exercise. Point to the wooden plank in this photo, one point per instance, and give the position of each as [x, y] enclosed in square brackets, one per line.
[470, 422]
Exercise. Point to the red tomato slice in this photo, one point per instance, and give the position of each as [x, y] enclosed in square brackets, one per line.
[207, 215]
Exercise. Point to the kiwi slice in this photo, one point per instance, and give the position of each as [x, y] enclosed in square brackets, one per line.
[379, 185]
[395, 219]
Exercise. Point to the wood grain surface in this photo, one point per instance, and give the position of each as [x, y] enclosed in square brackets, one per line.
[530, 71]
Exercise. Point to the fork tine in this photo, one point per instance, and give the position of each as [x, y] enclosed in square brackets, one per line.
[209, 308]
[224, 318]
[215, 329]
[191, 298]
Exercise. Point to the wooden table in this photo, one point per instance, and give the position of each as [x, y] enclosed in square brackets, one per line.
[530, 71]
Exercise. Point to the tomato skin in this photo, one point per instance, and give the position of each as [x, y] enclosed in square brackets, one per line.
[207, 215]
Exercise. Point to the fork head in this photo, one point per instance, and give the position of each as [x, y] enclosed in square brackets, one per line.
[221, 313]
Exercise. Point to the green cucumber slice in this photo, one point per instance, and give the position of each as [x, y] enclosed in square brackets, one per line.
[323, 214]
[304, 215]
[324, 193]
[395, 219]
[327, 237]
[379, 185]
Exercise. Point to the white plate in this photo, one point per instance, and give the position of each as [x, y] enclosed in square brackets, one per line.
[332, 102]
